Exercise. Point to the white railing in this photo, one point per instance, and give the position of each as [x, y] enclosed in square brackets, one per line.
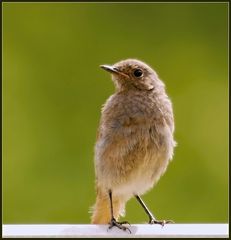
[102, 231]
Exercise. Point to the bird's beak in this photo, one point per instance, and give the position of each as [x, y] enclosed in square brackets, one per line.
[113, 69]
[109, 68]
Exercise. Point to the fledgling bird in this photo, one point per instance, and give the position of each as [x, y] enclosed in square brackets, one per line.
[134, 141]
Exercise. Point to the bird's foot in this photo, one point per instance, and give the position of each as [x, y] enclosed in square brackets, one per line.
[161, 222]
[120, 225]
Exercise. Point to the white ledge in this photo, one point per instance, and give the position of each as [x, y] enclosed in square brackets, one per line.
[102, 231]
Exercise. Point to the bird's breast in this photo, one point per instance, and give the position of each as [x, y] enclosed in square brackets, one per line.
[134, 145]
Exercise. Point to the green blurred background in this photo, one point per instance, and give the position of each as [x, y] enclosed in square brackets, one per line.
[53, 90]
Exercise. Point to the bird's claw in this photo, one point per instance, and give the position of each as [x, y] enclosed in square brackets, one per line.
[113, 223]
[161, 222]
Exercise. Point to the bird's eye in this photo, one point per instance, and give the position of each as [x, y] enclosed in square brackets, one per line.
[138, 73]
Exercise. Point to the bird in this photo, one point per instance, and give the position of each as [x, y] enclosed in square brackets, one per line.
[134, 142]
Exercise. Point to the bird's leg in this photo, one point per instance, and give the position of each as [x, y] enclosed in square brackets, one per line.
[152, 219]
[113, 221]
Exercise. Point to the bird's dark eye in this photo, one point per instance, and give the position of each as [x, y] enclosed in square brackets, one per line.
[138, 73]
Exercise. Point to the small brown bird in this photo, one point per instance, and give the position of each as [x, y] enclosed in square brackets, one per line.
[134, 142]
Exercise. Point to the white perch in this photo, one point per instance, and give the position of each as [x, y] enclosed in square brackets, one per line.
[102, 231]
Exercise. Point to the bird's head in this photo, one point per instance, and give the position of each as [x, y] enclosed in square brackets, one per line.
[132, 73]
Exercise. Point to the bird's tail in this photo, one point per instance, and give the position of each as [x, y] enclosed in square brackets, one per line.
[101, 211]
